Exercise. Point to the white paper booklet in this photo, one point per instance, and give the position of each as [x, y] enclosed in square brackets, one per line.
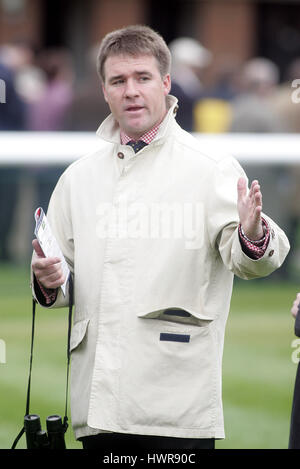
[48, 243]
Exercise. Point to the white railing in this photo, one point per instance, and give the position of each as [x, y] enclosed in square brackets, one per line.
[55, 148]
[260, 154]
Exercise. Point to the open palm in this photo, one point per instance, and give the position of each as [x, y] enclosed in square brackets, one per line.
[249, 209]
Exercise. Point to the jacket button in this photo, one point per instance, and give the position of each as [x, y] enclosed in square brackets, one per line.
[272, 234]
[120, 155]
[271, 253]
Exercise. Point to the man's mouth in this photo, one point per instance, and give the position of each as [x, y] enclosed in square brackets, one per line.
[134, 108]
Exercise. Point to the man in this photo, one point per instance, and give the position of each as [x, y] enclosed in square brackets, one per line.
[152, 237]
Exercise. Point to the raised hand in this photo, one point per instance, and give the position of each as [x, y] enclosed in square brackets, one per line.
[249, 209]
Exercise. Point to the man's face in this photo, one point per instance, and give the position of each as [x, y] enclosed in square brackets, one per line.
[135, 92]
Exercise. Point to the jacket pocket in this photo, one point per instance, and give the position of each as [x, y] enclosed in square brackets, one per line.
[177, 315]
[168, 379]
[78, 333]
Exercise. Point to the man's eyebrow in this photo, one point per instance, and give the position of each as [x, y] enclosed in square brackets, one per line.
[122, 76]
[115, 77]
[144, 72]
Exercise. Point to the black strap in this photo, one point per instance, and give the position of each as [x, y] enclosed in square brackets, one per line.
[29, 376]
[31, 357]
[65, 422]
[68, 349]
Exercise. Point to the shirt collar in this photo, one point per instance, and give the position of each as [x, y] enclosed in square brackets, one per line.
[147, 137]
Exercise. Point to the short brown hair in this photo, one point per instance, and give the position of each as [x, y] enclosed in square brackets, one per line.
[134, 40]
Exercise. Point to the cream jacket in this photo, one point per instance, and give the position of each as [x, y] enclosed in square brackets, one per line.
[152, 241]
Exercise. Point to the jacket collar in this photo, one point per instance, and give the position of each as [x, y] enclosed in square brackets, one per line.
[109, 129]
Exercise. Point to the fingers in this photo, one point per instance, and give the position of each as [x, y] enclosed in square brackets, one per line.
[294, 309]
[48, 270]
[250, 208]
[42, 263]
[242, 187]
[255, 199]
[37, 248]
[255, 194]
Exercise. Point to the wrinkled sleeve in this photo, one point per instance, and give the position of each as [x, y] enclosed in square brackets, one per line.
[223, 226]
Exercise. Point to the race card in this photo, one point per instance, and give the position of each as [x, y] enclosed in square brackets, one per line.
[48, 243]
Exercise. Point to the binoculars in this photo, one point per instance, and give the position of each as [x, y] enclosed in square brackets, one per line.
[36, 438]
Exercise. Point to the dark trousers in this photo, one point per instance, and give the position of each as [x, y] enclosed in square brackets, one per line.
[294, 441]
[124, 441]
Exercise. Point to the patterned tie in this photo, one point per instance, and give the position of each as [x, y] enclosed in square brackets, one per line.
[137, 146]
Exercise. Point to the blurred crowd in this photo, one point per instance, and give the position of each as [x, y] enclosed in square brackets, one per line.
[43, 93]
[236, 97]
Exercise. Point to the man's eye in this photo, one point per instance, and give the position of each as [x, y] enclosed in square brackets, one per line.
[144, 78]
[118, 82]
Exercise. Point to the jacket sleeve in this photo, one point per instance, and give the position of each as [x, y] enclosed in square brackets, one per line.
[223, 224]
[59, 217]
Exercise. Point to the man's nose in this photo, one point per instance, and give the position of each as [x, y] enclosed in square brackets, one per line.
[131, 89]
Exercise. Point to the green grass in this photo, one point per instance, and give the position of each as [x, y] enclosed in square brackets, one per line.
[258, 373]
[49, 363]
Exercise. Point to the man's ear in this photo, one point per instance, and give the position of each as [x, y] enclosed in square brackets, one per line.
[167, 84]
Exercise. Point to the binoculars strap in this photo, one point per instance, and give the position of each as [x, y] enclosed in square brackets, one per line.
[29, 376]
[65, 421]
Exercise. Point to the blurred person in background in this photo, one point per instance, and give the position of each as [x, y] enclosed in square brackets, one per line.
[212, 113]
[286, 107]
[12, 118]
[48, 111]
[13, 111]
[29, 78]
[189, 60]
[225, 85]
[253, 109]
[88, 106]
[150, 311]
